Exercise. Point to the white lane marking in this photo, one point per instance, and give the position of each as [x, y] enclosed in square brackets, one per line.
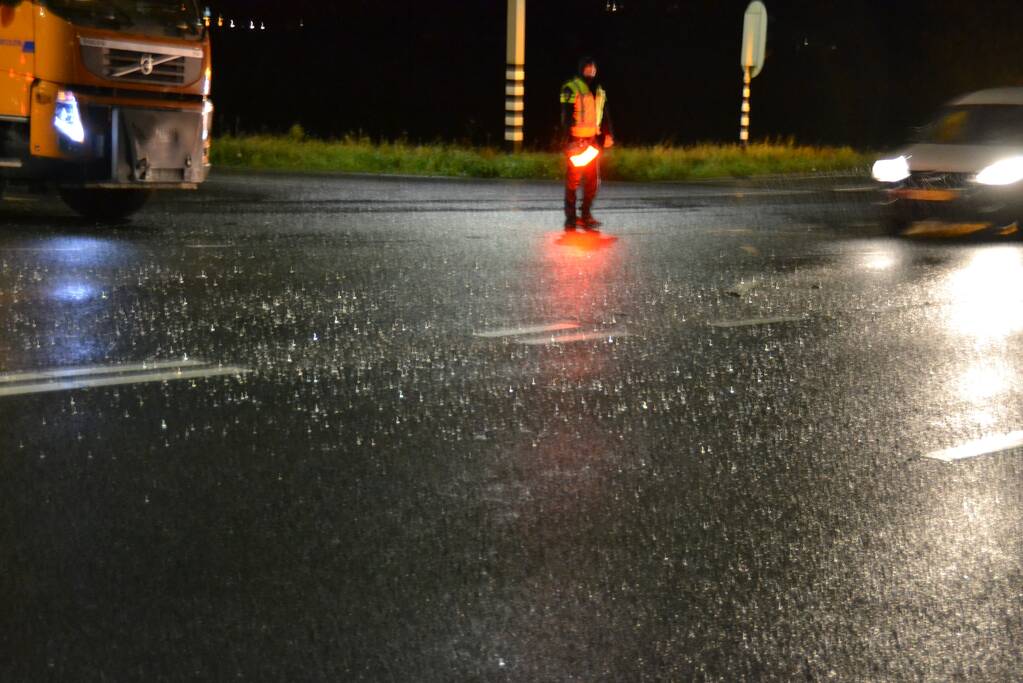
[741, 194]
[609, 335]
[995, 443]
[131, 378]
[730, 231]
[858, 188]
[757, 321]
[528, 329]
[55, 373]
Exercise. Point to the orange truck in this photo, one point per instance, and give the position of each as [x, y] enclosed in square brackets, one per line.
[105, 100]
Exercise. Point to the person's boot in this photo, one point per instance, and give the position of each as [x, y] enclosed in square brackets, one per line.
[588, 222]
[570, 211]
[570, 221]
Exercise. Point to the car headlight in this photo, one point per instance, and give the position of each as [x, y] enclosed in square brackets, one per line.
[891, 170]
[1003, 172]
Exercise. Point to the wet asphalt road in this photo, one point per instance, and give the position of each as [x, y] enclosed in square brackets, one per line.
[314, 428]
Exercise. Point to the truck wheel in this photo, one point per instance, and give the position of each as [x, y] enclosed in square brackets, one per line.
[104, 204]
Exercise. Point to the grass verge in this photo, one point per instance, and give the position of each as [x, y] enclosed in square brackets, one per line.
[658, 162]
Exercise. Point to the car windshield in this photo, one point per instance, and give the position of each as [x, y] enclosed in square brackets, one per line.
[976, 125]
[168, 18]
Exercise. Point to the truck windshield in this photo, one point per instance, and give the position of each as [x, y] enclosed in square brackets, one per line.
[166, 18]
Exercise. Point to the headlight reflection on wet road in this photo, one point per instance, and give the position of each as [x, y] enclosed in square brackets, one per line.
[986, 296]
[984, 309]
[981, 385]
[880, 259]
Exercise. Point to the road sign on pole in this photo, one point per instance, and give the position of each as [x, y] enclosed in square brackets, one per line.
[751, 58]
[754, 38]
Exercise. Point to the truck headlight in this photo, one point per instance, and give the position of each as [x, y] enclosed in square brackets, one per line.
[1003, 172]
[207, 119]
[891, 170]
[67, 119]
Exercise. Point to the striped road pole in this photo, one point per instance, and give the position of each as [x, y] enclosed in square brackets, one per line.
[515, 75]
[744, 111]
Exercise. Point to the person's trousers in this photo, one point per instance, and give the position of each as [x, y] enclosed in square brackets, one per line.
[589, 177]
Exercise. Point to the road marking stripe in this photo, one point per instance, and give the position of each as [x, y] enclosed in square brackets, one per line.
[56, 373]
[742, 194]
[528, 329]
[857, 188]
[135, 378]
[570, 338]
[757, 321]
[995, 443]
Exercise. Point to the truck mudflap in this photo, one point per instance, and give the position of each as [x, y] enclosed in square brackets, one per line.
[154, 147]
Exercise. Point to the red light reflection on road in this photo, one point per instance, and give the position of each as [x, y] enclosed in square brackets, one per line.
[577, 264]
[569, 463]
[585, 242]
[556, 477]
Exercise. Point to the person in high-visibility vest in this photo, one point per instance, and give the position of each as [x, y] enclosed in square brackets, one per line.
[586, 127]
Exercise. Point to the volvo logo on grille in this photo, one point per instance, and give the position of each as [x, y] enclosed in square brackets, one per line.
[146, 64]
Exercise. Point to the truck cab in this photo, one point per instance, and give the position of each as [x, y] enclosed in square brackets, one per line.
[105, 100]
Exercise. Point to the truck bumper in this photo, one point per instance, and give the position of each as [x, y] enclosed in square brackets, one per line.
[124, 145]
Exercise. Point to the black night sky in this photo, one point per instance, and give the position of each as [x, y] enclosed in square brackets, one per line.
[852, 72]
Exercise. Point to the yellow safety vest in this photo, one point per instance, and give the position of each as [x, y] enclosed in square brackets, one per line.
[589, 107]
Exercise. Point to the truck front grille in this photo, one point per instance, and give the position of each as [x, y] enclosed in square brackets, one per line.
[134, 62]
[128, 65]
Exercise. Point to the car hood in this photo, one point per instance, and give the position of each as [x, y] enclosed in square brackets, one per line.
[956, 158]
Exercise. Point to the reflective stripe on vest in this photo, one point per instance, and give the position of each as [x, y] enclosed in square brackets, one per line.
[589, 108]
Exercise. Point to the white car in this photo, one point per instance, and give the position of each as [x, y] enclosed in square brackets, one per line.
[965, 166]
